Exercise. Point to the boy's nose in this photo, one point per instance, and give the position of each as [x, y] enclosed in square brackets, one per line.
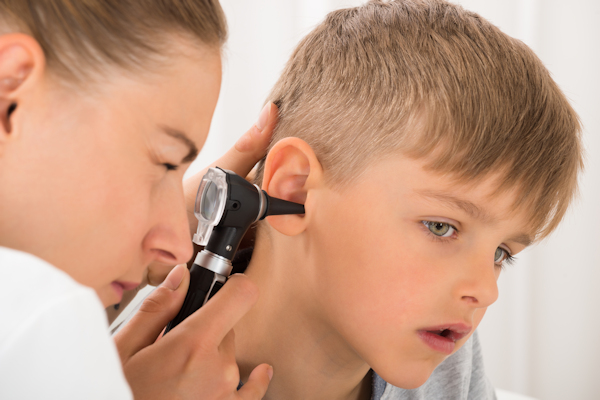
[169, 239]
[479, 286]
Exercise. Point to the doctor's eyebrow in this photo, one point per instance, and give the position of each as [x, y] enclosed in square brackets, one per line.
[177, 134]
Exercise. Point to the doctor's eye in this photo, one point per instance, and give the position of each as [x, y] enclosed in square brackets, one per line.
[440, 229]
[170, 167]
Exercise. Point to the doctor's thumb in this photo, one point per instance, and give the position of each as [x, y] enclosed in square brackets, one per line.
[154, 314]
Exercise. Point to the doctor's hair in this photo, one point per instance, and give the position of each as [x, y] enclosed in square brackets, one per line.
[430, 80]
[80, 38]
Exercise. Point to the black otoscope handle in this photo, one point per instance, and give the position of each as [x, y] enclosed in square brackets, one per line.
[201, 280]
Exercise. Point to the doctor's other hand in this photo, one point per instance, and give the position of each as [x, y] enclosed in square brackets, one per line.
[196, 359]
[241, 158]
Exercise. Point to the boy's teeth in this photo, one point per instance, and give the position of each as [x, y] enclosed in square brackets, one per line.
[440, 332]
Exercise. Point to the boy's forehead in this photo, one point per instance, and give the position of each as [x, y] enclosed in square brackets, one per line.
[481, 199]
[481, 212]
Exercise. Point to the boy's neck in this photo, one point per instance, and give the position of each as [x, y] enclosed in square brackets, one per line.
[310, 359]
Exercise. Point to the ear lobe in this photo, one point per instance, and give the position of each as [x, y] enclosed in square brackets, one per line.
[21, 58]
[291, 170]
[5, 118]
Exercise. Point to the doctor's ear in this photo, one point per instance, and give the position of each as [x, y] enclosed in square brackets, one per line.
[21, 61]
[291, 171]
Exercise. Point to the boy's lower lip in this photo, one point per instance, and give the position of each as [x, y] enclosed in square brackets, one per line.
[437, 342]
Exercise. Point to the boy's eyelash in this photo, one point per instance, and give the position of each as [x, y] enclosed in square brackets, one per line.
[507, 262]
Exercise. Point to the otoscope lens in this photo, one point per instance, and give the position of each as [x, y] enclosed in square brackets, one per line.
[209, 201]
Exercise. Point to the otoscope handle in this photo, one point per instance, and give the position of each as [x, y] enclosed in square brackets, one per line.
[204, 283]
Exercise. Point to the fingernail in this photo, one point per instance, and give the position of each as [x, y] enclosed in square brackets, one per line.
[263, 117]
[270, 372]
[173, 280]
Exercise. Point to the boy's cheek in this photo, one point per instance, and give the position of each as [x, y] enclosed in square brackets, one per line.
[476, 321]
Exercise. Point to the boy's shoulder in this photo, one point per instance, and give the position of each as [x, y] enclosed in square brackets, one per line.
[460, 376]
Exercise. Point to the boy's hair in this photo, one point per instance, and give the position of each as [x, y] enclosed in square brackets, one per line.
[79, 37]
[434, 81]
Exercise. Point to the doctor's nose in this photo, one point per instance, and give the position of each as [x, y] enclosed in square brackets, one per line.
[169, 238]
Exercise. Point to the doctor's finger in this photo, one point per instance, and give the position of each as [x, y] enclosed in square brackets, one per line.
[219, 315]
[227, 346]
[257, 384]
[252, 146]
[156, 311]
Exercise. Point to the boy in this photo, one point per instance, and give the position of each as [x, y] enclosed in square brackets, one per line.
[428, 148]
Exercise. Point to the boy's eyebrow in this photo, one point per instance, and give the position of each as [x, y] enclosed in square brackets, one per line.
[523, 239]
[467, 206]
[177, 134]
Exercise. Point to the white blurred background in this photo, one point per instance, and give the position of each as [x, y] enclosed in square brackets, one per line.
[542, 337]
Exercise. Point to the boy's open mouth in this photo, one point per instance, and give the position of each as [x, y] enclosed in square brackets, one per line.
[450, 334]
[444, 337]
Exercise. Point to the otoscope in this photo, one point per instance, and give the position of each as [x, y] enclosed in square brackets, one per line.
[226, 206]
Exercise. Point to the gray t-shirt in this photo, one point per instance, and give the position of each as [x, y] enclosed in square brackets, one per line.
[460, 377]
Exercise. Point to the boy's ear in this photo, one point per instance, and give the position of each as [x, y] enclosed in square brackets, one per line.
[21, 62]
[291, 171]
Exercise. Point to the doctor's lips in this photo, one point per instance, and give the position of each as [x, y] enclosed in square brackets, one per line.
[443, 338]
[119, 287]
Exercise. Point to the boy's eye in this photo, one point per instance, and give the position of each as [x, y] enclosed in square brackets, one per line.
[441, 229]
[500, 255]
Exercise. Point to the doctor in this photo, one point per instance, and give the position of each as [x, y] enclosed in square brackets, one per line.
[103, 106]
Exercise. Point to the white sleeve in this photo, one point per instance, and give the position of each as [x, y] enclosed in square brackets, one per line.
[62, 351]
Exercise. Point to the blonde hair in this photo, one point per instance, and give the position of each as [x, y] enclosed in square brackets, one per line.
[82, 37]
[434, 81]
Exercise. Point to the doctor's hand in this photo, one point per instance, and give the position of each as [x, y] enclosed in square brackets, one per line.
[241, 158]
[196, 359]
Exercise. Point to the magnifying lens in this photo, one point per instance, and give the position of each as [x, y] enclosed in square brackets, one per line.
[226, 206]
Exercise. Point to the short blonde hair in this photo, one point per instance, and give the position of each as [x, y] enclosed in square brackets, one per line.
[82, 37]
[430, 79]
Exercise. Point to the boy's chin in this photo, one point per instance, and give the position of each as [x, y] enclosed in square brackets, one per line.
[407, 377]
[404, 383]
